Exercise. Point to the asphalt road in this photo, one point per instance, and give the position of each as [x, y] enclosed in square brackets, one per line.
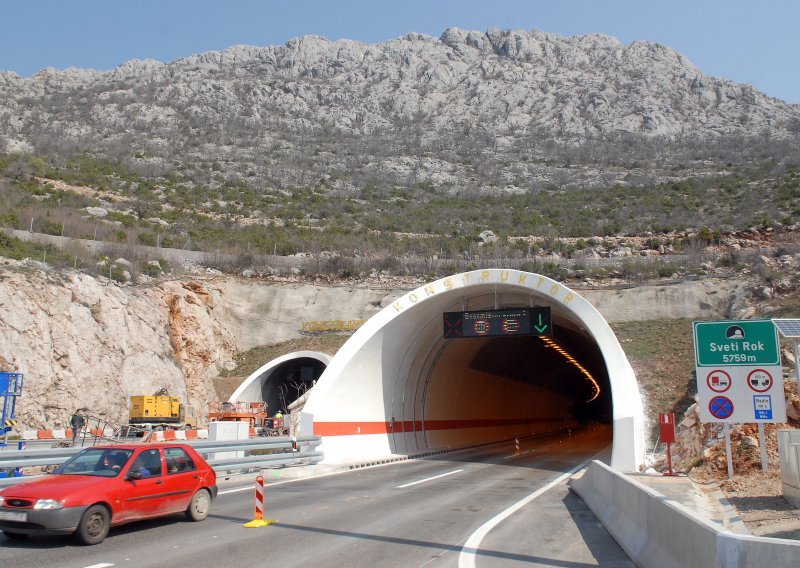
[482, 508]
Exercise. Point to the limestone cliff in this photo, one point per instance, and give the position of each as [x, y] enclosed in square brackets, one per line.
[83, 342]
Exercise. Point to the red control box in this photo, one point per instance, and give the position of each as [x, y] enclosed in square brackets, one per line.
[666, 426]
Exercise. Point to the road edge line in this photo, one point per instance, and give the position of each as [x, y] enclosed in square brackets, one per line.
[466, 558]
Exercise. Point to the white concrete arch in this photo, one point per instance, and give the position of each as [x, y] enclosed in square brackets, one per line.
[388, 390]
[251, 388]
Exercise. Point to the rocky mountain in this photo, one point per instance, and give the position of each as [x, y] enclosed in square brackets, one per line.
[500, 110]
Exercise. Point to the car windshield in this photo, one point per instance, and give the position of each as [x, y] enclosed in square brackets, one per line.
[100, 462]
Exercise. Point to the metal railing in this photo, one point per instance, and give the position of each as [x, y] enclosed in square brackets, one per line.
[246, 454]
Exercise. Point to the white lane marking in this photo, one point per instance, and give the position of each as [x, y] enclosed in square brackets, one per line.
[466, 559]
[295, 480]
[429, 479]
[237, 490]
[101, 565]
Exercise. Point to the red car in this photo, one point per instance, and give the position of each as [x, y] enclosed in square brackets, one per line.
[105, 486]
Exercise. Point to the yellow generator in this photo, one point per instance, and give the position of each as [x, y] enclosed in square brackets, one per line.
[161, 412]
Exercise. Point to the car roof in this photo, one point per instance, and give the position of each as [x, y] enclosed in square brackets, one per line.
[147, 445]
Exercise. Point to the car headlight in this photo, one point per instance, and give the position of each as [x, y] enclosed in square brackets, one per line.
[47, 504]
[2, 500]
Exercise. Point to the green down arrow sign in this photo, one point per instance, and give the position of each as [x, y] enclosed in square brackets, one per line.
[541, 318]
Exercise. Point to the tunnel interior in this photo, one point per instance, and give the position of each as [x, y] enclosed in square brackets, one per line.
[288, 381]
[478, 389]
[534, 360]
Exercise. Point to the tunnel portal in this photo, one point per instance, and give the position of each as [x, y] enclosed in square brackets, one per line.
[397, 386]
[283, 380]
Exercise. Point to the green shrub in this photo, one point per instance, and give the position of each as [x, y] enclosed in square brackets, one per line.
[147, 239]
[10, 219]
[51, 227]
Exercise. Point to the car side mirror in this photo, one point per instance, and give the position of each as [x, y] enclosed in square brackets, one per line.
[133, 475]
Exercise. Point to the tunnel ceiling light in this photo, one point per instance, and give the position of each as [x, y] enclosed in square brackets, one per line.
[553, 345]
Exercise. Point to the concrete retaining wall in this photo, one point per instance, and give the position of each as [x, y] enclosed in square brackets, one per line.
[656, 531]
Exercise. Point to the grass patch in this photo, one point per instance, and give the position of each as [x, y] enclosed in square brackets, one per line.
[661, 353]
[249, 361]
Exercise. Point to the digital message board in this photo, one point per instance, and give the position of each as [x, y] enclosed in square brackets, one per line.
[498, 323]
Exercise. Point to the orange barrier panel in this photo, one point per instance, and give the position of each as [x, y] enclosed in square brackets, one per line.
[191, 434]
[69, 433]
[253, 433]
[169, 434]
[45, 434]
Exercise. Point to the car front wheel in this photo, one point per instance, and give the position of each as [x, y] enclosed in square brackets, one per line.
[94, 525]
[199, 506]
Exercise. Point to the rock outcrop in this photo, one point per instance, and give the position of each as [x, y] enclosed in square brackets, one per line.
[84, 342]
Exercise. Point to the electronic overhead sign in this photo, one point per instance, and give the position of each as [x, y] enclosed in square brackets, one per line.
[498, 323]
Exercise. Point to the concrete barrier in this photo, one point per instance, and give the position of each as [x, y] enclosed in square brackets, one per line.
[656, 531]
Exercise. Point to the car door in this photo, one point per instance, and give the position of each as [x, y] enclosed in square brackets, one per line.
[181, 479]
[144, 490]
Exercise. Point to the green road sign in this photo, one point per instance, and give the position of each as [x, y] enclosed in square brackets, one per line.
[744, 342]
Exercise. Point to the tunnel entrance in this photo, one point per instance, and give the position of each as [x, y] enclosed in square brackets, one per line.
[288, 381]
[481, 389]
[398, 386]
[283, 380]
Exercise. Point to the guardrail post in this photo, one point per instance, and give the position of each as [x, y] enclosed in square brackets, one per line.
[258, 520]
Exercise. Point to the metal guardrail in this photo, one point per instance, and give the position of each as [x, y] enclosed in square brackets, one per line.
[290, 451]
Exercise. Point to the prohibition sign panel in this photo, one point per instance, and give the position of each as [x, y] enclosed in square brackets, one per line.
[720, 407]
[759, 380]
[746, 385]
[718, 380]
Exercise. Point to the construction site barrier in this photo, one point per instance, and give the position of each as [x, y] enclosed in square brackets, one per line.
[175, 435]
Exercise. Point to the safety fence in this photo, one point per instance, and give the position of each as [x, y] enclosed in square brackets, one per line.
[224, 456]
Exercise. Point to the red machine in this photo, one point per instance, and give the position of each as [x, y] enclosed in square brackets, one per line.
[253, 412]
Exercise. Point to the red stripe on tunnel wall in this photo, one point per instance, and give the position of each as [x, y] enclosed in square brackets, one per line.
[356, 428]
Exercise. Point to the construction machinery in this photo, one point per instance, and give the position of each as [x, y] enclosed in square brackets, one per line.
[255, 413]
[161, 412]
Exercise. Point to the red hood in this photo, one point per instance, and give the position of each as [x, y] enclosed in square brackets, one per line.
[65, 488]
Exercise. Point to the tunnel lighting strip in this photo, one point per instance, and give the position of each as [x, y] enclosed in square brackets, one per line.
[553, 345]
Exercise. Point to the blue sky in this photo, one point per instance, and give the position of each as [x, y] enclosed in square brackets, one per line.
[747, 41]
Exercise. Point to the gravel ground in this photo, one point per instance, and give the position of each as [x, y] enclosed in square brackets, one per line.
[758, 498]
